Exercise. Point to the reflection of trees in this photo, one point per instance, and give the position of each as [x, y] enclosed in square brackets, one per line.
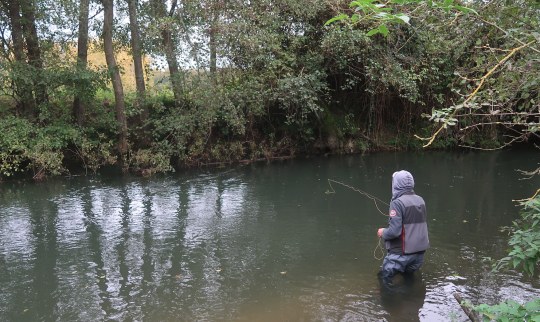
[96, 250]
[148, 259]
[123, 250]
[219, 197]
[43, 216]
[178, 261]
[16, 249]
[406, 298]
[247, 223]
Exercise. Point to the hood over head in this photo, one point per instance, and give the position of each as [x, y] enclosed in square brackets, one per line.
[402, 182]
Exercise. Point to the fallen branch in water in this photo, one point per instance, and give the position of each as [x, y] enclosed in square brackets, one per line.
[473, 315]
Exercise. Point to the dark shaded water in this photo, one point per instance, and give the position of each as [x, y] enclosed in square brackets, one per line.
[260, 242]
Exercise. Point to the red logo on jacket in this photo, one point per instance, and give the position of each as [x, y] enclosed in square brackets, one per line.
[393, 213]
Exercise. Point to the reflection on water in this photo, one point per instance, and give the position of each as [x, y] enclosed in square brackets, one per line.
[260, 242]
[405, 298]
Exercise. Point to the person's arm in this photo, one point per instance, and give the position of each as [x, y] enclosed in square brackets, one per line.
[395, 227]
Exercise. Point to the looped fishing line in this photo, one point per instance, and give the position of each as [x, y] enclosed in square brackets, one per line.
[379, 246]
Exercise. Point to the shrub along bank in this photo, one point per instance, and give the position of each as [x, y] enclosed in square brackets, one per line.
[263, 80]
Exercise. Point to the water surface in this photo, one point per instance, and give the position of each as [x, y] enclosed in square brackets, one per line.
[257, 242]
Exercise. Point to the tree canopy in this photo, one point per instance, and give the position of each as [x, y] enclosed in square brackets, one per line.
[219, 81]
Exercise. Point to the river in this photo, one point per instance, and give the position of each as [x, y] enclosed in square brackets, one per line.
[258, 242]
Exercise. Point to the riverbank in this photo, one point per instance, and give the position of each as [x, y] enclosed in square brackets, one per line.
[45, 150]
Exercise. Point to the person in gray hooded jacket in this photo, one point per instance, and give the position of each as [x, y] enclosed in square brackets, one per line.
[406, 237]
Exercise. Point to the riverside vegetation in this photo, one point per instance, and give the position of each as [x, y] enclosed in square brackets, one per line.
[489, 93]
[194, 82]
[263, 79]
[524, 254]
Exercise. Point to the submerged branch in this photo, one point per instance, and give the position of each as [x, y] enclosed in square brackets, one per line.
[471, 314]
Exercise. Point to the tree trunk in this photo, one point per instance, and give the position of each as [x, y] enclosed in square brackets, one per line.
[173, 65]
[170, 52]
[23, 92]
[16, 30]
[79, 108]
[138, 66]
[213, 54]
[108, 18]
[34, 52]
[136, 47]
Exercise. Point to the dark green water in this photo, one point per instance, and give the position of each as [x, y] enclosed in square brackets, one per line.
[259, 242]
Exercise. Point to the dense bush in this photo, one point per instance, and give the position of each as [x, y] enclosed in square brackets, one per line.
[262, 79]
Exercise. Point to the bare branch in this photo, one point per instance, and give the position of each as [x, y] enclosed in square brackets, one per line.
[502, 123]
[173, 8]
[483, 79]
[499, 148]
[530, 174]
[506, 32]
[97, 13]
[497, 114]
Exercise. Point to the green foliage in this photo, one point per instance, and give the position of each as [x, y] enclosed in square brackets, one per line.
[489, 144]
[227, 151]
[13, 144]
[388, 13]
[488, 79]
[40, 148]
[147, 162]
[298, 96]
[510, 92]
[284, 81]
[363, 145]
[524, 240]
[45, 159]
[27, 145]
[348, 124]
[453, 317]
[509, 311]
[94, 153]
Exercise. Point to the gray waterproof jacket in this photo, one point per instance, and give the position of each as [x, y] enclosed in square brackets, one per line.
[407, 227]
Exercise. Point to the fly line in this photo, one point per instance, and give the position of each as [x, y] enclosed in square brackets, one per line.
[375, 199]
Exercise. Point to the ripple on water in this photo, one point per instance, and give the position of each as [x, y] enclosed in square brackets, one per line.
[262, 242]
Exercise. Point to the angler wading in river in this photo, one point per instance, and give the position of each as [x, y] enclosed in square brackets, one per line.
[406, 237]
